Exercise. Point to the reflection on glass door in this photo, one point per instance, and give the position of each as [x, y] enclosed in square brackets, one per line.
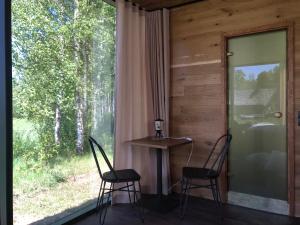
[257, 121]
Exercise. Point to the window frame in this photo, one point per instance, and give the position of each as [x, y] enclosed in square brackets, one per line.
[6, 177]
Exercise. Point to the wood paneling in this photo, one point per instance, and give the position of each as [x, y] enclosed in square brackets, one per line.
[197, 83]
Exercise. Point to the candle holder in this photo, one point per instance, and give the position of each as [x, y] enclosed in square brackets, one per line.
[159, 123]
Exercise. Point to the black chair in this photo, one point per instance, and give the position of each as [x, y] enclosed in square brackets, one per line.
[210, 172]
[127, 176]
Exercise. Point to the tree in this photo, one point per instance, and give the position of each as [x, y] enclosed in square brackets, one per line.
[55, 66]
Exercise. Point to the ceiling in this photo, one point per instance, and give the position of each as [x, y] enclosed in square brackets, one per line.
[159, 4]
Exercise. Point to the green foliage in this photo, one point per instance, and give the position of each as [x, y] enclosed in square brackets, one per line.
[265, 79]
[23, 146]
[27, 179]
[25, 140]
[63, 58]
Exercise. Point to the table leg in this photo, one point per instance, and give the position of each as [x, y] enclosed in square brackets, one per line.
[159, 171]
[159, 202]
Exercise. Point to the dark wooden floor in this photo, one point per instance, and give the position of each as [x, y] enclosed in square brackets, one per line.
[199, 212]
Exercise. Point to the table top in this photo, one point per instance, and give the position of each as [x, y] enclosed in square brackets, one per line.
[162, 143]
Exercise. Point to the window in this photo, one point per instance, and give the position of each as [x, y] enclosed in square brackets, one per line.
[63, 56]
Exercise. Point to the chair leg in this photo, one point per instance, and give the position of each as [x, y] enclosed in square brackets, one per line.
[214, 192]
[134, 193]
[181, 194]
[99, 196]
[137, 202]
[219, 202]
[104, 207]
[129, 196]
[101, 205]
[218, 193]
[102, 195]
[141, 203]
[186, 192]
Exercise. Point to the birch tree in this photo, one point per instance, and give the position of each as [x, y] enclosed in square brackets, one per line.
[55, 67]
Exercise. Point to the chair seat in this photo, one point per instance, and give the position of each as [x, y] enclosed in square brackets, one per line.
[199, 173]
[126, 175]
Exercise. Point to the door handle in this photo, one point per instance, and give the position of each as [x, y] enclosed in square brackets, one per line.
[277, 114]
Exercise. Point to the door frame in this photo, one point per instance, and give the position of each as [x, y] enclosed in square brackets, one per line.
[290, 101]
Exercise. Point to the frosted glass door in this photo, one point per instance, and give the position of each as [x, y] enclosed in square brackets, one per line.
[257, 114]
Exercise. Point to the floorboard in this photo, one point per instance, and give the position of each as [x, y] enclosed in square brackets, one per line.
[199, 211]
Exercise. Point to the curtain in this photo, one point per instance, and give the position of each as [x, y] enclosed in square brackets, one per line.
[158, 69]
[142, 91]
[134, 110]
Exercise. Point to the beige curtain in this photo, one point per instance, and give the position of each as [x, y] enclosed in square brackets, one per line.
[134, 111]
[158, 69]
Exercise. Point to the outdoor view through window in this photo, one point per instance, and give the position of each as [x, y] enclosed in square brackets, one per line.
[63, 91]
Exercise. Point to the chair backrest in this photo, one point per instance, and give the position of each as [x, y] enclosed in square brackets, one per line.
[217, 163]
[93, 142]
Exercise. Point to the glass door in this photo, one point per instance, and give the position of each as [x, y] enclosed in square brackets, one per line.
[257, 121]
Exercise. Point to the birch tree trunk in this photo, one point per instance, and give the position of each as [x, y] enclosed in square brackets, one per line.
[79, 124]
[57, 127]
[86, 58]
[79, 89]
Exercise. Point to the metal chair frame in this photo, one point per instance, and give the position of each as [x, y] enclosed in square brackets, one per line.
[130, 186]
[187, 185]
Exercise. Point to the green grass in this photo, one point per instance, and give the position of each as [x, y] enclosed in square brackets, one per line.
[24, 127]
[52, 190]
[48, 190]
[30, 179]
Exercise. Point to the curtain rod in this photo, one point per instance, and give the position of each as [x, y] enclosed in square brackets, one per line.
[113, 2]
[110, 2]
[182, 4]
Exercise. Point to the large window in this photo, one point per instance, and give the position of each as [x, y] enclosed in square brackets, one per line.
[63, 91]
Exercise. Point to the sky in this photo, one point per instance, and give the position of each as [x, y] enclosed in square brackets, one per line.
[252, 72]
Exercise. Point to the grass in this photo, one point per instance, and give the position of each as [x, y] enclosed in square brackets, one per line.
[52, 189]
[48, 192]
[24, 127]
[28, 180]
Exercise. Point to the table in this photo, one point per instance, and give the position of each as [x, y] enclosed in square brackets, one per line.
[159, 202]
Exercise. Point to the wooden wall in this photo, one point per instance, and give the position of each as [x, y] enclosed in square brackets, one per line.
[197, 96]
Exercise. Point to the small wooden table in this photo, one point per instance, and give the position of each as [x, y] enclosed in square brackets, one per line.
[159, 202]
